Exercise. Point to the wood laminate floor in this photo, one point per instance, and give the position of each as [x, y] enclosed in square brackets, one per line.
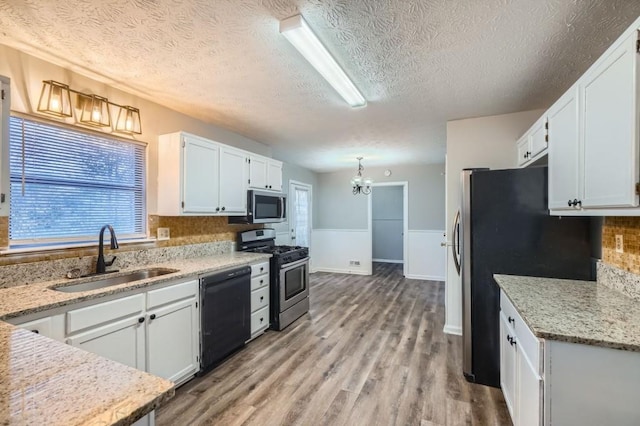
[370, 351]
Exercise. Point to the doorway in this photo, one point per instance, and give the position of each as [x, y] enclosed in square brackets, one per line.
[388, 223]
[300, 213]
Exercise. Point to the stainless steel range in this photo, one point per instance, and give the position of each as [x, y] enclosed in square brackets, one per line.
[289, 275]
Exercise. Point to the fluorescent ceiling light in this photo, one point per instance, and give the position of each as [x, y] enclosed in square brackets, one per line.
[296, 30]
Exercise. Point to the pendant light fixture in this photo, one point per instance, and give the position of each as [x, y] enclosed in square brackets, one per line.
[94, 110]
[359, 184]
[128, 120]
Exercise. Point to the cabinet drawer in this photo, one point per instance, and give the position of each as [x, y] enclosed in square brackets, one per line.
[91, 316]
[526, 340]
[172, 294]
[259, 282]
[260, 268]
[260, 319]
[259, 298]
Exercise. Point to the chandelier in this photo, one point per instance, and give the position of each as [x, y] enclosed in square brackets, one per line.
[359, 184]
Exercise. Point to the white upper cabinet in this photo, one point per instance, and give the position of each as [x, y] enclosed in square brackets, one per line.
[200, 177]
[564, 151]
[610, 128]
[233, 172]
[533, 144]
[200, 186]
[265, 173]
[594, 134]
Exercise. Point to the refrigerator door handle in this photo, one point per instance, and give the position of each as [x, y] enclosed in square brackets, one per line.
[455, 247]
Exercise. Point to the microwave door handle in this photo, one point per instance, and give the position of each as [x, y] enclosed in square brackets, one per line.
[283, 206]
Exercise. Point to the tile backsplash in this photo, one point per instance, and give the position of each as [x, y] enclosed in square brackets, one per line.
[629, 228]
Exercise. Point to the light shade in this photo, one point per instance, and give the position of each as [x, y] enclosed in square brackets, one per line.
[128, 120]
[296, 30]
[55, 99]
[94, 110]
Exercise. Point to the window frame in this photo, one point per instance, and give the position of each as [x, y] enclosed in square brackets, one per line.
[37, 244]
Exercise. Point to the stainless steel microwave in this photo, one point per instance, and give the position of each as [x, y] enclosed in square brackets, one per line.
[263, 207]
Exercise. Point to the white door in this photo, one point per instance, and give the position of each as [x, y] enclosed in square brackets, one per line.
[233, 181]
[524, 151]
[528, 392]
[274, 175]
[564, 151]
[200, 183]
[539, 137]
[507, 366]
[299, 200]
[610, 129]
[172, 340]
[121, 341]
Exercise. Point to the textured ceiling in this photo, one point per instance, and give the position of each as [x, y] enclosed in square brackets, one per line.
[418, 63]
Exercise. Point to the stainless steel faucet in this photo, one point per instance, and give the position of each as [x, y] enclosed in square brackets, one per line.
[101, 265]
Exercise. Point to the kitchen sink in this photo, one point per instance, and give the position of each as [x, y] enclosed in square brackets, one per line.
[142, 274]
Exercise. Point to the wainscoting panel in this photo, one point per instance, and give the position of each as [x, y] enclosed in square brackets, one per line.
[426, 258]
[333, 250]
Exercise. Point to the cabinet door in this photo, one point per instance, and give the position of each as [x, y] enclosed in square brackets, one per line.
[508, 365]
[200, 185]
[539, 137]
[524, 150]
[258, 172]
[173, 341]
[529, 393]
[610, 129]
[51, 327]
[274, 175]
[121, 341]
[564, 151]
[233, 181]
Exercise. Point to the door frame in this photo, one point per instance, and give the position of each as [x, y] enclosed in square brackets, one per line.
[405, 220]
[309, 187]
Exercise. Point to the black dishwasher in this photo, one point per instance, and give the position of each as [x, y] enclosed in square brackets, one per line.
[225, 314]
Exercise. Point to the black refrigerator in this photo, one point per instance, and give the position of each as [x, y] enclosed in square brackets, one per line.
[503, 227]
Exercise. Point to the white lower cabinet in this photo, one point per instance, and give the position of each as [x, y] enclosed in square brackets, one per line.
[173, 332]
[259, 298]
[520, 367]
[157, 331]
[51, 327]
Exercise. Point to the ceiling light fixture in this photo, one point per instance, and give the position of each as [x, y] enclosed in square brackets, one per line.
[359, 184]
[298, 32]
[55, 99]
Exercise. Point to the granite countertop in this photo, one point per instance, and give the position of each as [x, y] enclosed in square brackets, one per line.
[575, 311]
[39, 297]
[47, 382]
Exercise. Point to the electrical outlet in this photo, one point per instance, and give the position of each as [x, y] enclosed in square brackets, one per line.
[163, 234]
[619, 244]
[354, 263]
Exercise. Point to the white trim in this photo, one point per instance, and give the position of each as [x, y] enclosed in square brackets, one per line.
[387, 261]
[405, 218]
[425, 277]
[341, 271]
[338, 230]
[449, 329]
[426, 231]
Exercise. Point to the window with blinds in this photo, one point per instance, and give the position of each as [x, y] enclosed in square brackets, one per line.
[66, 184]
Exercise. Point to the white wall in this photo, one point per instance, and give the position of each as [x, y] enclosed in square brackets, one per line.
[476, 142]
[27, 72]
[342, 217]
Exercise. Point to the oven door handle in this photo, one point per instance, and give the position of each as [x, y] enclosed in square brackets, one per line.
[289, 266]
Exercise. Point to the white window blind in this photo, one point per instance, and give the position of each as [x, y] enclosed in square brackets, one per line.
[66, 184]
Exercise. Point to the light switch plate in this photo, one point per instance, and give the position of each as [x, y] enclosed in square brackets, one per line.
[619, 244]
[163, 234]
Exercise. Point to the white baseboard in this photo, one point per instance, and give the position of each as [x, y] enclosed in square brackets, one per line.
[388, 261]
[424, 277]
[341, 271]
[448, 329]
